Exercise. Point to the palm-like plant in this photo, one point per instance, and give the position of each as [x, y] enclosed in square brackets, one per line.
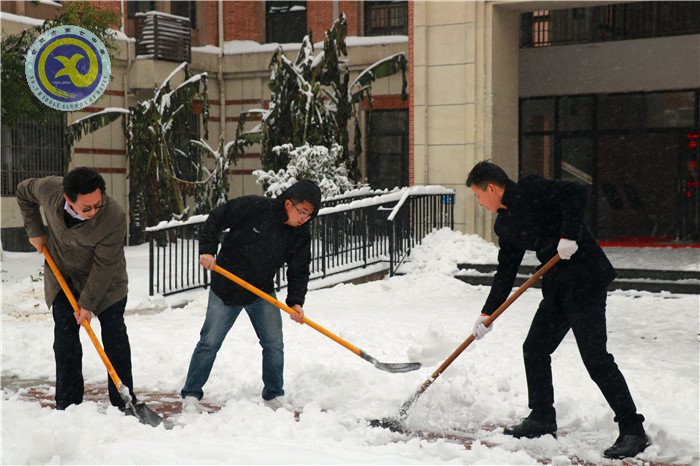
[312, 100]
[156, 190]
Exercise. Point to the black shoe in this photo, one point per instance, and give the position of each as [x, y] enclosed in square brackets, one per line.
[530, 428]
[627, 446]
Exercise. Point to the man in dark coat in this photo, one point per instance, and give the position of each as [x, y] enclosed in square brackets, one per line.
[547, 217]
[85, 232]
[264, 234]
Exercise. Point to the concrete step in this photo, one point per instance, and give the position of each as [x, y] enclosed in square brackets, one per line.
[671, 281]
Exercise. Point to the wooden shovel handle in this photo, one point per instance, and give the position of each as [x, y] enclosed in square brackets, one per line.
[86, 325]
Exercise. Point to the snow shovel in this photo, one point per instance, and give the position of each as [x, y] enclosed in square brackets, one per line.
[385, 366]
[140, 411]
[397, 424]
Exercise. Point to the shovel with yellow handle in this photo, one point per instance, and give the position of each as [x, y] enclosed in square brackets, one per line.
[385, 366]
[140, 411]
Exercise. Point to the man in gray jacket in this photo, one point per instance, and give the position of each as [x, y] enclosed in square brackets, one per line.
[85, 232]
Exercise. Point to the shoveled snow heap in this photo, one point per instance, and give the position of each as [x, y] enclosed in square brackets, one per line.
[421, 316]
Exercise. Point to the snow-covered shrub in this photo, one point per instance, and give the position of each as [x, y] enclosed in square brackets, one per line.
[316, 163]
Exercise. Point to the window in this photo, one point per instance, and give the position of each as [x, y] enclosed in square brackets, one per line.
[387, 148]
[623, 21]
[32, 150]
[285, 21]
[138, 6]
[386, 18]
[575, 113]
[633, 150]
[186, 9]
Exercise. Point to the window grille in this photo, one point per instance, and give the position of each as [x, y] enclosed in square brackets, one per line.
[32, 150]
[285, 21]
[386, 18]
[625, 21]
[139, 6]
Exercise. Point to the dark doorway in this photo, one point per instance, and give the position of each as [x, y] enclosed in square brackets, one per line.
[637, 188]
[387, 149]
[637, 152]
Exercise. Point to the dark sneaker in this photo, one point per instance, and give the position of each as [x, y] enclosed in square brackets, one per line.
[530, 428]
[627, 446]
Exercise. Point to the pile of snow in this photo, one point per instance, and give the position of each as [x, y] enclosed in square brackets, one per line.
[422, 316]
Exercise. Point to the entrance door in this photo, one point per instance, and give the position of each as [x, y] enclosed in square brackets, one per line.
[387, 149]
[637, 189]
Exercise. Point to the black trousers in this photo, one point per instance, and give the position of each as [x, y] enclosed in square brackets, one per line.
[68, 352]
[565, 307]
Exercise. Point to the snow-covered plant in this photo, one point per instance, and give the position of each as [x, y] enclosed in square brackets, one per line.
[156, 190]
[312, 101]
[319, 164]
[216, 184]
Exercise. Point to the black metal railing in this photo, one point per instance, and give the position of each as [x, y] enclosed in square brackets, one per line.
[173, 258]
[624, 21]
[367, 231]
[163, 36]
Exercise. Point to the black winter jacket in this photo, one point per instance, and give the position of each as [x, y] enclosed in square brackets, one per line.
[540, 212]
[258, 244]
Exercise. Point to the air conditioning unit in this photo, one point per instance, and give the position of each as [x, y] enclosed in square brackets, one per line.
[163, 36]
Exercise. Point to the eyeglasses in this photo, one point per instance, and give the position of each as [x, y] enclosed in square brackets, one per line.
[301, 213]
[89, 208]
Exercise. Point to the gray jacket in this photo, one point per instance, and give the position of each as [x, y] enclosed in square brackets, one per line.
[89, 255]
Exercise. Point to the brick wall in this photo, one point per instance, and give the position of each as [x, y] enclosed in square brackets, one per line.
[319, 18]
[207, 23]
[244, 20]
[353, 12]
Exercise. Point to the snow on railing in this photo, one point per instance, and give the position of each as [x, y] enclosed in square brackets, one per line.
[350, 235]
[398, 194]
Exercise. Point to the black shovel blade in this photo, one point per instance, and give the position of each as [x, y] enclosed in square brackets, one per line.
[391, 423]
[145, 415]
[397, 367]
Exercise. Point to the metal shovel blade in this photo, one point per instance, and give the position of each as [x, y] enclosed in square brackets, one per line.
[145, 415]
[391, 423]
[397, 367]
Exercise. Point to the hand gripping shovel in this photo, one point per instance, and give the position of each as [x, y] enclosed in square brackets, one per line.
[397, 424]
[140, 411]
[385, 366]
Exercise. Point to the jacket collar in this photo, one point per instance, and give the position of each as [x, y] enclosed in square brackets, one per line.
[509, 194]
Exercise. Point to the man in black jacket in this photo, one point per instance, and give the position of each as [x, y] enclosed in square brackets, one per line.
[264, 234]
[547, 217]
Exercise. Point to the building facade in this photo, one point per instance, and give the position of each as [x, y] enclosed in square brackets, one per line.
[604, 93]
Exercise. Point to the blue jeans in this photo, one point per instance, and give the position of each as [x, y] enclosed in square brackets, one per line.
[267, 323]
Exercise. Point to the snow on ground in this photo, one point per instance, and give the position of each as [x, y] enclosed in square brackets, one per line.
[422, 316]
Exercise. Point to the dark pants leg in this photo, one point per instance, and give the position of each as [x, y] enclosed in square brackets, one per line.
[547, 330]
[560, 310]
[116, 344]
[68, 354]
[591, 335]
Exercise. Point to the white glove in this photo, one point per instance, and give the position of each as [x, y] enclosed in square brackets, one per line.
[566, 248]
[479, 328]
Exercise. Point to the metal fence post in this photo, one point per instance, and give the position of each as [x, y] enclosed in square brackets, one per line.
[392, 239]
[150, 265]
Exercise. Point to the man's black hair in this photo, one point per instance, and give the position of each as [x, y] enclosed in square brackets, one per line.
[82, 180]
[304, 191]
[485, 173]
